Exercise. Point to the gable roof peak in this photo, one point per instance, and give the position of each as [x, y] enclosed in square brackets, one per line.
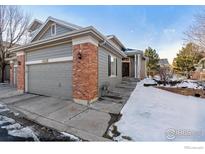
[64, 23]
[58, 21]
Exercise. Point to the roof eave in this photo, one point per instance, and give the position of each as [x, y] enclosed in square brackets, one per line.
[84, 31]
[118, 41]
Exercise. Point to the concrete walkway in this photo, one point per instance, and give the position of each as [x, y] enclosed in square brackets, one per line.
[87, 122]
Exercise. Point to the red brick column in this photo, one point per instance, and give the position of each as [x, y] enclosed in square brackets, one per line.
[21, 71]
[85, 73]
[11, 73]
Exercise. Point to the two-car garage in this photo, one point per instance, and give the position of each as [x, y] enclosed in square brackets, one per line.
[49, 71]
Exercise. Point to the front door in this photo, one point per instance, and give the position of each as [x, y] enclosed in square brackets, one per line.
[125, 69]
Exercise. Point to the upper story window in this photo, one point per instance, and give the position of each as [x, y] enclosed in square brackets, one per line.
[53, 29]
[112, 66]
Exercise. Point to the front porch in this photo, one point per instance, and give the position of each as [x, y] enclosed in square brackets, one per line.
[134, 65]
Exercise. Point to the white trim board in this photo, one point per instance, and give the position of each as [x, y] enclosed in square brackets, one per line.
[84, 39]
[21, 53]
[51, 60]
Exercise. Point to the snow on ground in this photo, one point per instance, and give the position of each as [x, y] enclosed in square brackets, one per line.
[4, 120]
[189, 84]
[156, 77]
[13, 128]
[177, 78]
[70, 136]
[25, 132]
[149, 81]
[153, 114]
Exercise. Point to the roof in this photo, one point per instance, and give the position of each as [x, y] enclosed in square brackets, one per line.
[163, 61]
[83, 31]
[34, 23]
[132, 52]
[116, 39]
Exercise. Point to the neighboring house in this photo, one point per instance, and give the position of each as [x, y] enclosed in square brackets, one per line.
[6, 73]
[68, 61]
[199, 73]
[134, 65]
[164, 63]
[7, 67]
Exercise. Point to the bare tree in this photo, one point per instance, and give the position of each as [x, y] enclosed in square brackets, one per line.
[164, 73]
[196, 32]
[13, 25]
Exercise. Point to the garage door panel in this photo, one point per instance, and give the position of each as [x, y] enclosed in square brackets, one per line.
[54, 79]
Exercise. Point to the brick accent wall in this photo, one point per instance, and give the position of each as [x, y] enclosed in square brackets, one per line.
[85, 72]
[12, 74]
[21, 72]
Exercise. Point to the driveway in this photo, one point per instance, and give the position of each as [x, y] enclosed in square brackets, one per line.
[87, 122]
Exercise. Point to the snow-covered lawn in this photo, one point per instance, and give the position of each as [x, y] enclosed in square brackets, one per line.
[153, 114]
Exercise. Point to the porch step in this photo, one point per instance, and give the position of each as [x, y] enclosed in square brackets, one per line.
[130, 79]
[124, 92]
[126, 86]
[129, 83]
[107, 98]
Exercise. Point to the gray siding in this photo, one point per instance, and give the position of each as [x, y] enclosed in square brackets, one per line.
[54, 79]
[63, 50]
[103, 69]
[59, 30]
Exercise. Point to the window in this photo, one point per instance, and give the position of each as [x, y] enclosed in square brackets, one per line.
[53, 29]
[112, 66]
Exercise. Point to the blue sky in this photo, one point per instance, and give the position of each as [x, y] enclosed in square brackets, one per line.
[160, 27]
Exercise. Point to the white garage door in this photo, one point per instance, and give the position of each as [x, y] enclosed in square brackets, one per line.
[51, 79]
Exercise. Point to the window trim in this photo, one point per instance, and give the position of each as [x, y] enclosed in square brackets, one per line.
[110, 66]
[53, 34]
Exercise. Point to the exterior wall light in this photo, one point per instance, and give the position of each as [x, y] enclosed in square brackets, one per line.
[19, 62]
[79, 54]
